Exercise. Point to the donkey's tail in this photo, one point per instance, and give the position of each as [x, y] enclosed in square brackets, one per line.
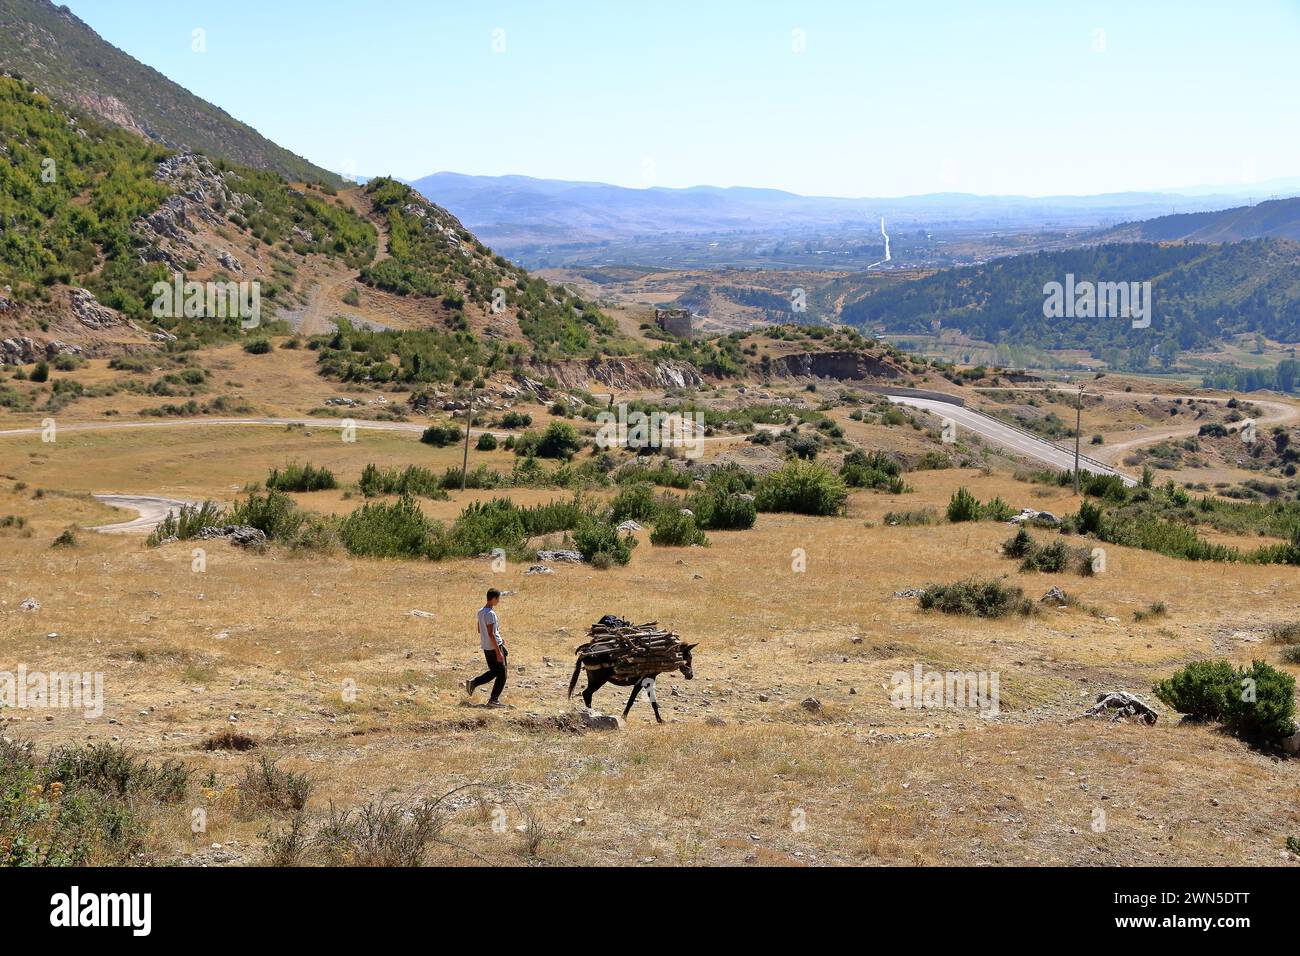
[577, 669]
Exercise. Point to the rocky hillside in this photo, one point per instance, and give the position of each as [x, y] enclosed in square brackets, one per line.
[48, 46]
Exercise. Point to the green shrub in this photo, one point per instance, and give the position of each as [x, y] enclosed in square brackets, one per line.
[635, 502]
[296, 477]
[560, 440]
[513, 420]
[413, 480]
[1254, 701]
[440, 435]
[257, 346]
[997, 510]
[41, 373]
[803, 488]
[274, 514]
[389, 530]
[675, 529]
[593, 536]
[485, 526]
[975, 598]
[963, 506]
[186, 523]
[723, 511]
[921, 516]
[486, 442]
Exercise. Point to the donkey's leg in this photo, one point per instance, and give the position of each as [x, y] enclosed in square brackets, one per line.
[649, 683]
[595, 681]
[636, 689]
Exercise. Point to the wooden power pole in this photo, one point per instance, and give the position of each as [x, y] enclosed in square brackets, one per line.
[1078, 433]
[469, 421]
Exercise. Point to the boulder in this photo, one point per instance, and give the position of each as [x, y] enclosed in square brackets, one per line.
[594, 720]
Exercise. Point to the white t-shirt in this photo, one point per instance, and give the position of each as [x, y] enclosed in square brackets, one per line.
[488, 616]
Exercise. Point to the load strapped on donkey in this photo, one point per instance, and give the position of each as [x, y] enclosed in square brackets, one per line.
[634, 655]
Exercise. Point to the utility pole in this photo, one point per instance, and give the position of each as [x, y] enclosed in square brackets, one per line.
[469, 421]
[1078, 432]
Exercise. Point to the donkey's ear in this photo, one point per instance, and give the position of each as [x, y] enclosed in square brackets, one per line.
[691, 647]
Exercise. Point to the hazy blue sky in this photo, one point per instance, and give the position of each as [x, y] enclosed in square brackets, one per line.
[912, 96]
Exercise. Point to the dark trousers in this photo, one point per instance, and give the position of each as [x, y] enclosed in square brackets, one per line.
[496, 671]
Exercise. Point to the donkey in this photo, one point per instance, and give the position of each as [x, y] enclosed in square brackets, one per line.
[598, 677]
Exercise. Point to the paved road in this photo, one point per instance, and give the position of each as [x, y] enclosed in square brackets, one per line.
[151, 512]
[1013, 439]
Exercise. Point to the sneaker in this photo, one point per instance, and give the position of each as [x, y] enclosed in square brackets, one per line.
[495, 703]
[469, 687]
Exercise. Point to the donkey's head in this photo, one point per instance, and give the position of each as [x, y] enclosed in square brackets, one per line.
[687, 670]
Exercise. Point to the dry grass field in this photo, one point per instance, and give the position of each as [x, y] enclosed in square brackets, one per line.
[320, 660]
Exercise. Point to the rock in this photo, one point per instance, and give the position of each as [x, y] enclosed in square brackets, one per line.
[594, 720]
[242, 535]
[1054, 594]
[629, 526]
[715, 721]
[415, 613]
[570, 557]
[31, 604]
[87, 310]
[811, 704]
[687, 513]
[1121, 704]
[539, 569]
[1029, 514]
[1291, 745]
[908, 593]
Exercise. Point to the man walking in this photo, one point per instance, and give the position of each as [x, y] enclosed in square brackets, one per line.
[494, 651]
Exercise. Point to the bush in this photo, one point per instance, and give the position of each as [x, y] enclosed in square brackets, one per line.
[997, 510]
[296, 477]
[675, 529]
[560, 440]
[922, 516]
[724, 511]
[593, 536]
[439, 436]
[486, 442]
[1254, 701]
[257, 346]
[963, 506]
[513, 420]
[41, 373]
[413, 480]
[636, 502]
[975, 598]
[1019, 546]
[187, 523]
[389, 530]
[266, 788]
[803, 488]
[274, 514]
[485, 526]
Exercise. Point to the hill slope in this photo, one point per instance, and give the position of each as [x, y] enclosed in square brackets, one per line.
[1200, 293]
[48, 46]
[1275, 219]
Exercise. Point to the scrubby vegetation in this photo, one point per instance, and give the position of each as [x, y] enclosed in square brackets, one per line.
[975, 598]
[1255, 701]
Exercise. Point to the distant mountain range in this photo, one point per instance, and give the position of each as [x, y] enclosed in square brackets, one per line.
[59, 54]
[519, 209]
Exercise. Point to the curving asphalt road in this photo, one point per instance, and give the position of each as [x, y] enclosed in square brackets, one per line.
[151, 511]
[1011, 438]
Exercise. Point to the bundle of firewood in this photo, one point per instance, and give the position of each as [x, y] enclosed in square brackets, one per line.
[632, 650]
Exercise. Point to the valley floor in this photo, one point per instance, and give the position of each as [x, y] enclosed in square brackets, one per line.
[322, 662]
